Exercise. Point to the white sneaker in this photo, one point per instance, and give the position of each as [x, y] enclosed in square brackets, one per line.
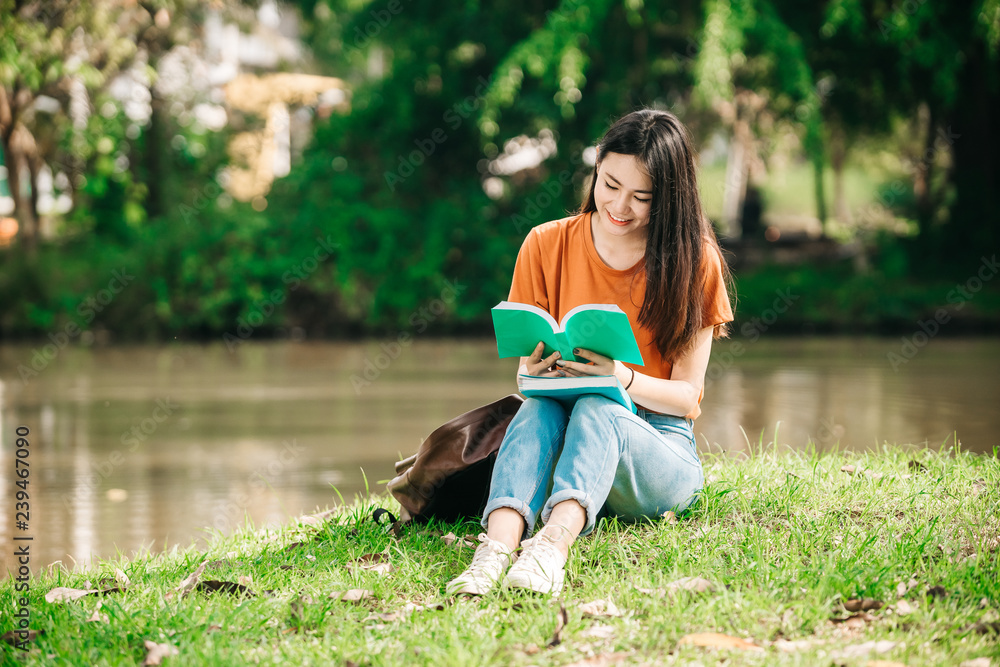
[491, 560]
[539, 568]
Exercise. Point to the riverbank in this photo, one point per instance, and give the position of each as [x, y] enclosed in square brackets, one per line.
[100, 293]
[792, 558]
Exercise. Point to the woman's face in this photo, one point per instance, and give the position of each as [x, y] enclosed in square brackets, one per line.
[622, 195]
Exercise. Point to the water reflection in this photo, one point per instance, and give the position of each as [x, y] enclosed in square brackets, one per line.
[144, 447]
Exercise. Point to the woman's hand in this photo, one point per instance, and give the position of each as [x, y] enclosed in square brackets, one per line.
[599, 364]
[535, 365]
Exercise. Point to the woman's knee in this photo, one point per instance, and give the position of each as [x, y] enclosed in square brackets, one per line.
[593, 404]
[541, 408]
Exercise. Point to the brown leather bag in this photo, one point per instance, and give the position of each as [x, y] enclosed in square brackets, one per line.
[449, 476]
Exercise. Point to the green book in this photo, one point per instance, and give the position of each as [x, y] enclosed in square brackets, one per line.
[567, 389]
[603, 328]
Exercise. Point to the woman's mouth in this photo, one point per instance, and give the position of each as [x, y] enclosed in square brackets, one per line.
[617, 221]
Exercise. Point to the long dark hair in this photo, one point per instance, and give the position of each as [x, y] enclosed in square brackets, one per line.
[678, 231]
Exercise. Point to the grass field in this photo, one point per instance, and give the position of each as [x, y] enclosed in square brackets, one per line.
[791, 558]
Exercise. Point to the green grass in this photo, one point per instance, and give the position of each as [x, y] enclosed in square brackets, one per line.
[785, 537]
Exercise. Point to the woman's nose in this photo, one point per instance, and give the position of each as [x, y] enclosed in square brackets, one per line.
[622, 202]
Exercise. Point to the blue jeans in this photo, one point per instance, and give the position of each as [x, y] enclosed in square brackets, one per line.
[611, 461]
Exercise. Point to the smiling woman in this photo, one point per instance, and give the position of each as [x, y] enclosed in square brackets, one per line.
[640, 242]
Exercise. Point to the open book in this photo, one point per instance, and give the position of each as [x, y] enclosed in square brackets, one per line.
[603, 328]
[566, 390]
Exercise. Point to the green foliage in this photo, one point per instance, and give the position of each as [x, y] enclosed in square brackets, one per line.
[396, 186]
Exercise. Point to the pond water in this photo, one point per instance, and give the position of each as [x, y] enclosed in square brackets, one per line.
[136, 448]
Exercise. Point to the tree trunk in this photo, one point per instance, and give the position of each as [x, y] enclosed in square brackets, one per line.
[838, 156]
[17, 171]
[923, 170]
[974, 227]
[735, 184]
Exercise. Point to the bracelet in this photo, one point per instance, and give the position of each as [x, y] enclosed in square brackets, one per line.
[630, 379]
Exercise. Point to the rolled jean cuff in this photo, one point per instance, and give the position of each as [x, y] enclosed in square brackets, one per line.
[518, 506]
[586, 502]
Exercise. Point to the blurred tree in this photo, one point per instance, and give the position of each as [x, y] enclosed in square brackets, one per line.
[936, 65]
[58, 61]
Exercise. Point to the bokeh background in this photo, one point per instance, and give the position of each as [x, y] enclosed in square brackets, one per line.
[248, 249]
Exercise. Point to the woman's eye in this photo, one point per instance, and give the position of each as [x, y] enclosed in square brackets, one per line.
[609, 186]
[641, 200]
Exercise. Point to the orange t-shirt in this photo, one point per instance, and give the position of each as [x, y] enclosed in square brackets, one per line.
[558, 269]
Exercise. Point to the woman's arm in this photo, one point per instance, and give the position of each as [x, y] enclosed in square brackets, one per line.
[677, 396]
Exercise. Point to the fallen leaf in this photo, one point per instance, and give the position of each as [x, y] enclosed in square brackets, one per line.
[353, 595]
[562, 618]
[717, 640]
[669, 517]
[245, 580]
[857, 604]
[213, 586]
[977, 662]
[411, 607]
[791, 646]
[187, 585]
[157, 652]
[373, 558]
[903, 608]
[600, 609]
[13, 637]
[97, 616]
[602, 660]
[62, 594]
[861, 650]
[857, 470]
[378, 563]
[386, 617]
[451, 539]
[985, 628]
[904, 588]
[122, 579]
[315, 519]
[218, 564]
[659, 592]
[693, 584]
[598, 632]
[407, 609]
[858, 620]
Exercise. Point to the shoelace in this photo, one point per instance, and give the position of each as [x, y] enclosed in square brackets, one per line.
[480, 559]
[536, 550]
